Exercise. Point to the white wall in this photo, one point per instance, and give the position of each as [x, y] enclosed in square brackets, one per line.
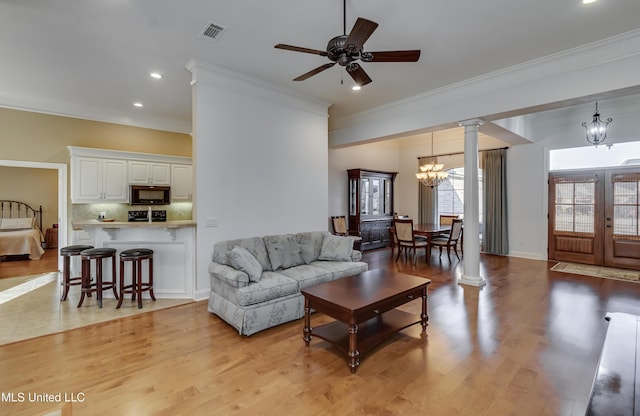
[593, 70]
[260, 157]
[383, 156]
[528, 166]
[527, 169]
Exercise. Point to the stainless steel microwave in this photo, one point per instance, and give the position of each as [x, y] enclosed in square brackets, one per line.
[150, 195]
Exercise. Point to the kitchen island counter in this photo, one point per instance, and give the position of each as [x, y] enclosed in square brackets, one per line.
[173, 244]
[86, 224]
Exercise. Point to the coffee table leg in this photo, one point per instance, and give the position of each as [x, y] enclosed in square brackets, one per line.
[424, 316]
[306, 332]
[354, 354]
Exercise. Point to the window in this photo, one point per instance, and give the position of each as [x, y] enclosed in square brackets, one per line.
[451, 193]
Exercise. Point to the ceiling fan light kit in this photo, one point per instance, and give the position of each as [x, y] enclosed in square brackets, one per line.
[345, 50]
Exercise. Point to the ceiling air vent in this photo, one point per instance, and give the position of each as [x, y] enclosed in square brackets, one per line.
[213, 31]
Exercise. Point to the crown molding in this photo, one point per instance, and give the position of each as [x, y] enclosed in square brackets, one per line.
[224, 78]
[62, 109]
[492, 90]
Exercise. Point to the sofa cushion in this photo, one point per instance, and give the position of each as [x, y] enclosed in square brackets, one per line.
[255, 246]
[272, 285]
[342, 269]
[307, 275]
[284, 251]
[242, 259]
[336, 248]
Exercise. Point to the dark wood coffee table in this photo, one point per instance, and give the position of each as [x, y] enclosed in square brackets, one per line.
[364, 308]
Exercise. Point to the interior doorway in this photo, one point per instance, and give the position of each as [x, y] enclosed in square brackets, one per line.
[594, 216]
[61, 169]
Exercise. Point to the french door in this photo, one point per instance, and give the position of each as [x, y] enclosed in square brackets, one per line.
[594, 217]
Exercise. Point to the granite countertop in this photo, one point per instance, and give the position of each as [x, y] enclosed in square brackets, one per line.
[82, 224]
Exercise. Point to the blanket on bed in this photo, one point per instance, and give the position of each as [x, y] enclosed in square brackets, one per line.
[17, 242]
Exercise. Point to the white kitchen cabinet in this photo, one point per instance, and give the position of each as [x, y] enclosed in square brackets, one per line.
[98, 180]
[149, 173]
[101, 175]
[181, 182]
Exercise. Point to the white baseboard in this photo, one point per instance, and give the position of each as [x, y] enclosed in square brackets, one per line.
[526, 255]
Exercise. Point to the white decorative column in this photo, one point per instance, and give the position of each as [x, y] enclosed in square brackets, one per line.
[471, 247]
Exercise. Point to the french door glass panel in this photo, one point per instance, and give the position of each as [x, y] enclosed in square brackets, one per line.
[625, 208]
[574, 211]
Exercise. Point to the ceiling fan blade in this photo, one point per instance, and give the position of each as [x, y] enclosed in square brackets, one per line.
[314, 71]
[360, 33]
[300, 49]
[357, 73]
[393, 56]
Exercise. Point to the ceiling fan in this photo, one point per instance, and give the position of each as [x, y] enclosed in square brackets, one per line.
[345, 50]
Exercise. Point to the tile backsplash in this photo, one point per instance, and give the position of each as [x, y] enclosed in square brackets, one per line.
[178, 211]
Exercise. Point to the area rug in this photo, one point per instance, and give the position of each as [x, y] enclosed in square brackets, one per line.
[598, 271]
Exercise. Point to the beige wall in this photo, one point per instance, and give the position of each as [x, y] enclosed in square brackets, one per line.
[35, 137]
[37, 187]
[39, 137]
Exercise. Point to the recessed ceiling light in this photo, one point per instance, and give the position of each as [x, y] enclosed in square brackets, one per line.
[588, 1]
[356, 88]
[138, 105]
[155, 75]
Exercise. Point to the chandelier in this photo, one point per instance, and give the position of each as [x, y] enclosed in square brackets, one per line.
[431, 173]
[597, 129]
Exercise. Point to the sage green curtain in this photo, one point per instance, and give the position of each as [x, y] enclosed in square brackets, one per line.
[495, 236]
[427, 202]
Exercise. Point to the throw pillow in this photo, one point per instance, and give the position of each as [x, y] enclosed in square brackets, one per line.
[284, 251]
[308, 249]
[241, 259]
[336, 248]
[17, 223]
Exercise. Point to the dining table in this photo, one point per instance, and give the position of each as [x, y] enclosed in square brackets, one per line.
[427, 230]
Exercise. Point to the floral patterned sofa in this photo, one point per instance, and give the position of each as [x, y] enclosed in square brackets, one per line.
[256, 282]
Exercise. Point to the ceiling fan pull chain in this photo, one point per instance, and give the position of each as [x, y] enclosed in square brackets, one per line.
[344, 17]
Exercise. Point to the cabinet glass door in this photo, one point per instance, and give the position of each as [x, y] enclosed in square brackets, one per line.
[353, 195]
[387, 197]
[365, 206]
[375, 197]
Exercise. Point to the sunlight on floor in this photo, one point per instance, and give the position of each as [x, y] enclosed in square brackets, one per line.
[26, 287]
[30, 307]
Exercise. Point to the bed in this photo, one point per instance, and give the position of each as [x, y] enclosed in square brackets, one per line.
[20, 231]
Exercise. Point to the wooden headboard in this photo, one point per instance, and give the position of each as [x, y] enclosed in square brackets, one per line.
[17, 209]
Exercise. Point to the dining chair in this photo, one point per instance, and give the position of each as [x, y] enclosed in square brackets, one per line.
[406, 240]
[451, 240]
[448, 219]
[339, 223]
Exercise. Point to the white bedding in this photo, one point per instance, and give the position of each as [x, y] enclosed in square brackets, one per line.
[17, 242]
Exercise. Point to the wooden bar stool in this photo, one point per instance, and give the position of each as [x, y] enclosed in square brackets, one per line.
[67, 280]
[137, 286]
[98, 254]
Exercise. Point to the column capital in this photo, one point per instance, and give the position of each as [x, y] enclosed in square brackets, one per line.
[471, 122]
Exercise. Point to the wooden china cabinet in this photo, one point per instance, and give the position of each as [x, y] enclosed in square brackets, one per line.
[371, 206]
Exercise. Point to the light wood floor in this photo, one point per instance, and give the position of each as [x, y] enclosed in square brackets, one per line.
[526, 344]
[30, 301]
[47, 263]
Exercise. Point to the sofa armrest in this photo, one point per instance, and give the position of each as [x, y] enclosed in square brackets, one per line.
[229, 275]
[356, 255]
